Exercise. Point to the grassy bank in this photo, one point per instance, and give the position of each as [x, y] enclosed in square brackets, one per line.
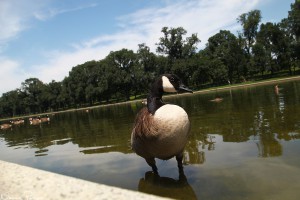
[212, 89]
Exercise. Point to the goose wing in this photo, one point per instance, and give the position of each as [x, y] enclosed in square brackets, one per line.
[144, 126]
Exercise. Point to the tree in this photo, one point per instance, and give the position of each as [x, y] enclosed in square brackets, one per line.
[294, 19]
[218, 71]
[276, 45]
[225, 47]
[144, 70]
[250, 22]
[292, 27]
[122, 62]
[32, 89]
[55, 89]
[201, 74]
[175, 46]
[10, 103]
[259, 59]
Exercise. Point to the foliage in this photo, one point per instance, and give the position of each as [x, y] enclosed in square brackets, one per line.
[250, 22]
[123, 74]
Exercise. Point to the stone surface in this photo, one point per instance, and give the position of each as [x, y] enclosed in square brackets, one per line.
[21, 182]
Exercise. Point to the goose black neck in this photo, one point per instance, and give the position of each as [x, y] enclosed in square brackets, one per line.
[154, 99]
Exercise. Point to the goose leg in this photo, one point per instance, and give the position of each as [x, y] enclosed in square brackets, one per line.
[179, 159]
[151, 163]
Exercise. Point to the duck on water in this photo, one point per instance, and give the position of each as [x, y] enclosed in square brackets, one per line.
[161, 130]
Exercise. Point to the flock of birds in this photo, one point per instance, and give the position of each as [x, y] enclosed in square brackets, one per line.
[32, 121]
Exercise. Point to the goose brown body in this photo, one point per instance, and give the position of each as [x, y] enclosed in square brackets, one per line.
[45, 119]
[163, 135]
[5, 126]
[34, 121]
[161, 130]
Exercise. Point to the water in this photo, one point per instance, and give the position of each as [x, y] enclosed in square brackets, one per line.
[244, 147]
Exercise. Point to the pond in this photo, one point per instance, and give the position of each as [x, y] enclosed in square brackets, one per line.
[244, 147]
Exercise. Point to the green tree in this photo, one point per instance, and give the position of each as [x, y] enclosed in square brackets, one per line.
[259, 59]
[294, 19]
[144, 70]
[277, 47]
[10, 104]
[32, 89]
[122, 62]
[250, 22]
[54, 89]
[225, 47]
[201, 74]
[292, 27]
[218, 72]
[175, 46]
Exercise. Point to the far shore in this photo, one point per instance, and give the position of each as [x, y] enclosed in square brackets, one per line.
[213, 89]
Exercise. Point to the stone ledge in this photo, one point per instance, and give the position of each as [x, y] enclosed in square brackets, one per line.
[21, 182]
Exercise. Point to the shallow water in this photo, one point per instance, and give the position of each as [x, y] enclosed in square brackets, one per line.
[244, 147]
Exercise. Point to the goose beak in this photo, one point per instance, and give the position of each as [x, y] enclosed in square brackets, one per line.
[183, 88]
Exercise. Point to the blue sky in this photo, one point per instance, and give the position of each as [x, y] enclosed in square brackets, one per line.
[46, 38]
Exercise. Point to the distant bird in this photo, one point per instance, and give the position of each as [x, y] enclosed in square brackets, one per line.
[34, 121]
[276, 89]
[45, 119]
[161, 130]
[144, 101]
[217, 100]
[18, 121]
[5, 126]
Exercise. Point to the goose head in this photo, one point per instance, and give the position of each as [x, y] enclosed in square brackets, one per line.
[169, 83]
[172, 83]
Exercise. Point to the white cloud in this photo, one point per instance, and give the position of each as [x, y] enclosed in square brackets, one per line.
[14, 17]
[60, 63]
[204, 17]
[11, 76]
[52, 12]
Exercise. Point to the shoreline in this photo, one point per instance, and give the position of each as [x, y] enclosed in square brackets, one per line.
[218, 88]
[22, 182]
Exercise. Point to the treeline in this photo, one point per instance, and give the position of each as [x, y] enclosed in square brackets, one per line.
[259, 49]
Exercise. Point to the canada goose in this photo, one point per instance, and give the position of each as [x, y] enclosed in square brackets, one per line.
[161, 130]
[34, 121]
[277, 89]
[5, 126]
[218, 99]
[18, 121]
[45, 119]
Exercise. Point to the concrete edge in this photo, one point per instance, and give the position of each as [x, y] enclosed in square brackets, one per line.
[21, 182]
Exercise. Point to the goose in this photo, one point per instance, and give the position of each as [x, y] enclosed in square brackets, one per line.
[161, 130]
[34, 121]
[218, 99]
[5, 126]
[18, 122]
[45, 119]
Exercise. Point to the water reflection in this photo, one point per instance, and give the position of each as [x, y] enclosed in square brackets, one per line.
[195, 150]
[248, 124]
[152, 183]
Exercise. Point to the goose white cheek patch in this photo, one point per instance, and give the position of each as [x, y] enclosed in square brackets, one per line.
[167, 86]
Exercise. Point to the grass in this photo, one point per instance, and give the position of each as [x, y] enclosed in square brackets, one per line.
[211, 89]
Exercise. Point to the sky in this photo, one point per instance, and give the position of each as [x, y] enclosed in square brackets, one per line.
[44, 39]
